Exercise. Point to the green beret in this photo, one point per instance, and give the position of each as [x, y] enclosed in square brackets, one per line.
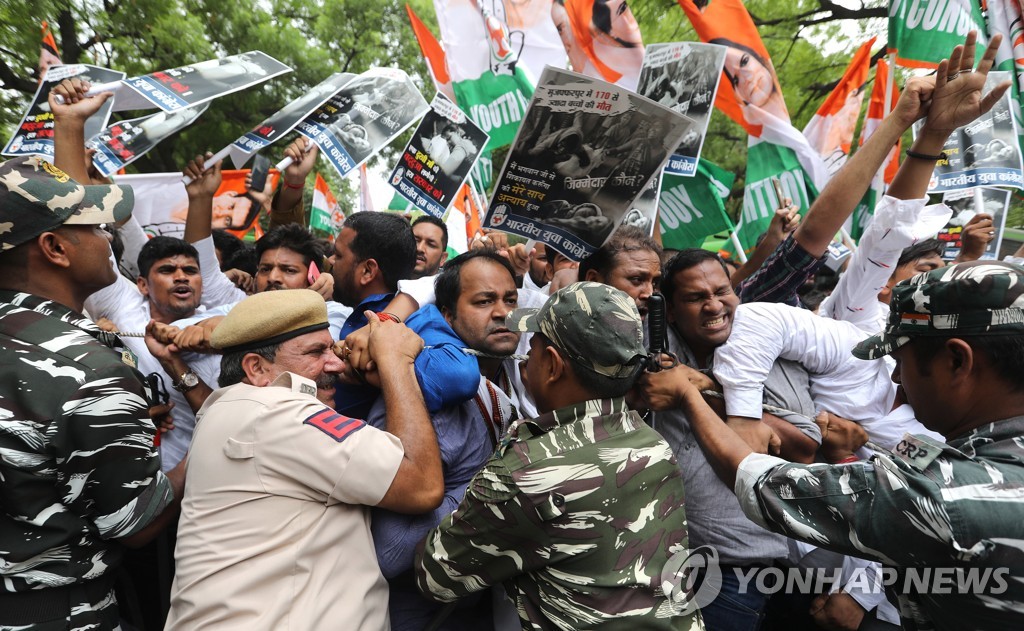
[270, 318]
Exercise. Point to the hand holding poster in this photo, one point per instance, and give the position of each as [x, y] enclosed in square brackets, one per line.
[34, 135]
[983, 152]
[285, 119]
[364, 116]
[964, 204]
[438, 158]
[191, 85]
[684, 78]
[125, 142]
[569, 178]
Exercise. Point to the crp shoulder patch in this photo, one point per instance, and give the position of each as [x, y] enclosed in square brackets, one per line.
[334, 425]
[917, 451]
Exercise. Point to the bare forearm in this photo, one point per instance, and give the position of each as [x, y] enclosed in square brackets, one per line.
[199, 223]
[757, 258]
[69, 148]
[911, 181]
[846, 188]
[722, 446]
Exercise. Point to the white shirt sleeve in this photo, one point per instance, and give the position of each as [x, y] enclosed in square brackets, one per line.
[761, 333]
[217, 288]
[421, 290]
[897, 224]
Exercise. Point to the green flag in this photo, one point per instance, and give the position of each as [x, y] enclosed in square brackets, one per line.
[691, 208]
[764, 162]
[923, 33]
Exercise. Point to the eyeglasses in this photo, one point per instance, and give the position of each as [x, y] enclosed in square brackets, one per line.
[156, 391]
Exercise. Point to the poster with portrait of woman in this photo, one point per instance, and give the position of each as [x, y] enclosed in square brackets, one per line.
[438, 158]
[586, 151]
[126, 141]
[985, 152]
[364, 116]
[684, 78]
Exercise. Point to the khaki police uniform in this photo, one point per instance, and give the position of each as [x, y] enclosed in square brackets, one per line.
[275, 529]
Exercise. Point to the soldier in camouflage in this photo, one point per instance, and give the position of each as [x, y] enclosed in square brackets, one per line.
[79, 470]
[578, 510]
[928, 508]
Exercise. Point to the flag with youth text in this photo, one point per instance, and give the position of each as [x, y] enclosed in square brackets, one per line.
[922, 34]
[692, 208]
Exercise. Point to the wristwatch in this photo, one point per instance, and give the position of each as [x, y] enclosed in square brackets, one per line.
[186, 381]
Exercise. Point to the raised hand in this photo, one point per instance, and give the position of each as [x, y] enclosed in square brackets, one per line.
[76, 106]
[204, 182]
[957, 97]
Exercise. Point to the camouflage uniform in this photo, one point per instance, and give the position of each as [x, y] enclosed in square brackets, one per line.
[928, 504]
[78, 466]
[77, 462]
[578, 510]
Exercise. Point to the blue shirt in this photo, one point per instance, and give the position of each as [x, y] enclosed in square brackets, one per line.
[447, 376]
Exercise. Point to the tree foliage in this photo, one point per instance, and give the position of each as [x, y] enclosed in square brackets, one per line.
[318, 37]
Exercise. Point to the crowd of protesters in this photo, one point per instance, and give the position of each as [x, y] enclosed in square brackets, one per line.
[366, 434]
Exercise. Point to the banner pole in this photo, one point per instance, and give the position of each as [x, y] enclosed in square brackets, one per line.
[210, 162]
[740, 254]
[99, 88]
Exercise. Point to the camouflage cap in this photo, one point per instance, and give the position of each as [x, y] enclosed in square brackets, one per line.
[974, 298]
[36, 196]
[596, 325]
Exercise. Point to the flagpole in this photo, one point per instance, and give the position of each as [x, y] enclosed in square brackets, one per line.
[210, 162]
[740, 254]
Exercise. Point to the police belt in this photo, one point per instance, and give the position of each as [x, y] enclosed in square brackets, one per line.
[50, 603]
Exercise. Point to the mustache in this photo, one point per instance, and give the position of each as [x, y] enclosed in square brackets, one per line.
[326, 380]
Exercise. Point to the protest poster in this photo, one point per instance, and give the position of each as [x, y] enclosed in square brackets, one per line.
[438, 158]
[125, 142]
[684, 78]
[585, 151]
[193, 84]
[364, 116]
[964, 204]
[161, 203]
[643, 212]
[285, 119]
[983, 152]
[34, 134]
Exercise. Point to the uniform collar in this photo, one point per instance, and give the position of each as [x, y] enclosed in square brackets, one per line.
[584, 410]
[975, 440]
[56, 310]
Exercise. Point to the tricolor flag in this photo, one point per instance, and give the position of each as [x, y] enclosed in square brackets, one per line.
[48, 53]
[487, 82]
[458, 243]
[326, 215]
[603, 39]
[365, 199]
[921, 34]
[830, 130]
[1004, 17]
[876, 112]
[433, 54]
[751, 96]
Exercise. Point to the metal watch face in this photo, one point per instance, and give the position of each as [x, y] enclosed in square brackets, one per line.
[189, 380]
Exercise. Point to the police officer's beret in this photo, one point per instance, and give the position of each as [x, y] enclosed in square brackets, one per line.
[268, 318]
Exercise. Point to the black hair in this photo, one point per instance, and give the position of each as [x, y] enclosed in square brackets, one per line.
[625, 239]
[387, 239]
[602, 19]
[434, 221]
[920, 250]
[1004, 351]
[227, 244]
[244, 259]
[599, 386]
[448, 284]
[159, 248]
[690, 257]
[292, 237]
[231, 371]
